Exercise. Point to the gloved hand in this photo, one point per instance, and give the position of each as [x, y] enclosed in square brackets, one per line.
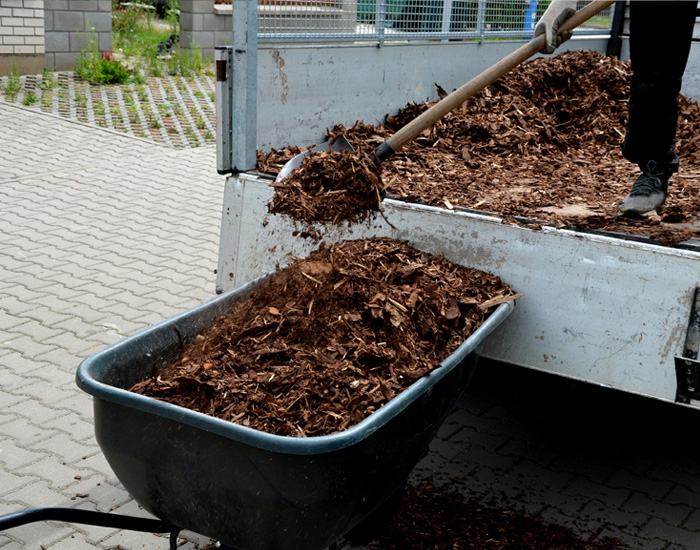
[557, 12]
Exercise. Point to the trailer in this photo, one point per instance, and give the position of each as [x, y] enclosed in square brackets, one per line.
[609, 309]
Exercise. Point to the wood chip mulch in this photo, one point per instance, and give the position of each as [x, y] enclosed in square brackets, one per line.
[328, 340]
[543, 143]
[438, 518]
[330, 187]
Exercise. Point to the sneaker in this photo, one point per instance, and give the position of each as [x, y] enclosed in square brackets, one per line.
[648, 193]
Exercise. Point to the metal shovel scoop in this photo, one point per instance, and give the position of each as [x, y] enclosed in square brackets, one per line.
[456, 98]
[341, 143]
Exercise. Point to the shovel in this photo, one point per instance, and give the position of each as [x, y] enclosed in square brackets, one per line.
[456, 98]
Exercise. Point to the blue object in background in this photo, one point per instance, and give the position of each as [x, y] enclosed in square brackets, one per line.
[530, 15]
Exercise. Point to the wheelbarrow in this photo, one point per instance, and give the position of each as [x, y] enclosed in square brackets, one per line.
[248, 489]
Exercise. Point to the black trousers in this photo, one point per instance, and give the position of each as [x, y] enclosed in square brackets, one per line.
[661, 33]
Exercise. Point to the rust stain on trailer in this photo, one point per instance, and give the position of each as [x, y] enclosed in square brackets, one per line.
[280, 63]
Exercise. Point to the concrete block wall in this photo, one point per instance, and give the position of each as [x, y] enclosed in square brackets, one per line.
[71, 25]
[22, 44]
[202, 27]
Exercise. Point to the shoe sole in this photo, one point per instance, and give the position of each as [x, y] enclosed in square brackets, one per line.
[637, 215]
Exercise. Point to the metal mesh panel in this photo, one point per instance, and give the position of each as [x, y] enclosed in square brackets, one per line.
[312, 21]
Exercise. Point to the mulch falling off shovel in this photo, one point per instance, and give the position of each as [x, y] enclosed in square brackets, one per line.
[330, 187]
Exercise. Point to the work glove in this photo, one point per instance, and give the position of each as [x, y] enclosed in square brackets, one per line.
[556, 13]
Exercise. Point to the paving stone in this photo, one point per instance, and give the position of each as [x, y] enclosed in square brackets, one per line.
[24, 432]
[14, 456]
[39, 494]
[38, 535]
[655, 488]
[103, 495]
[131, 540]
[673, 514]
[615, 496]
[45, 391]
[68, 450]
[11, 484]
[55, 472]
[97, 463]
[10, 381]
[73, 542]
[72, 424]
[681, 538]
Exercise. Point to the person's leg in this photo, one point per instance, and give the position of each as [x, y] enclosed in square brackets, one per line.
[660, 38]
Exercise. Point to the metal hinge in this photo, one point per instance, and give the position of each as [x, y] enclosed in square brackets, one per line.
[688, 366]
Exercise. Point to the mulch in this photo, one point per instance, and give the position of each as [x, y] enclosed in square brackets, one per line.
[434, 517]
[328, 340]
[542, 143]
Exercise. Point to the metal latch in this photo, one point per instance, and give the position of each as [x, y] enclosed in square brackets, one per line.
[688, 366]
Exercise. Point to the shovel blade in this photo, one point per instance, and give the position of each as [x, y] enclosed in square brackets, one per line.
[341, 143]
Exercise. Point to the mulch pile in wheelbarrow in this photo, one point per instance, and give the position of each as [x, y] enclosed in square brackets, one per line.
[437, 518]
[543, 142]
[328, 340]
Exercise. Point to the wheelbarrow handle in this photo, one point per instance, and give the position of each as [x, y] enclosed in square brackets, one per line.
[481, 81]
[86, 517]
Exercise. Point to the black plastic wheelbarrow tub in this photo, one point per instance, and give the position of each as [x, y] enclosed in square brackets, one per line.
[249, 489]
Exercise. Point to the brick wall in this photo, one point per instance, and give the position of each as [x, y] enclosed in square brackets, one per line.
[22, 42]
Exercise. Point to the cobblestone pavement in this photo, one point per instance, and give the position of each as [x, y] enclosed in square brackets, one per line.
[103, 233]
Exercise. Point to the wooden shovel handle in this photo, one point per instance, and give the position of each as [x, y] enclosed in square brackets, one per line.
[479, 82]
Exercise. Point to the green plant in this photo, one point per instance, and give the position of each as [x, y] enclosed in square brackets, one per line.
[13, 85]
[46, 100]
[100, 67]
[47, 81]
[185, 62]
[138, 78]
[142, 94]
[29, 99]
[116, 114]
[172, 14]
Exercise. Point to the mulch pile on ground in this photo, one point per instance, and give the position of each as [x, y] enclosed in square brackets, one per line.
[436, 518]
[543, 143]
[330, 339]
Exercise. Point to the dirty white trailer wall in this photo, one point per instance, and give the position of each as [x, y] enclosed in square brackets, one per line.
[303, 91]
